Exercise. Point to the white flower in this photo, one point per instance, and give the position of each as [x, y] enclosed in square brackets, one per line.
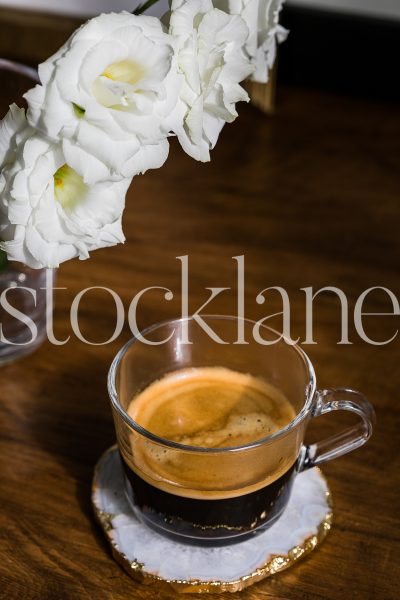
[10, 127]
[48, 213]
[262, 19]
[211, 58]
[108, 91]
[13, 131]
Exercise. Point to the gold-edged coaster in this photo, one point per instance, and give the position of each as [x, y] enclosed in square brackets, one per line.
[151, 558]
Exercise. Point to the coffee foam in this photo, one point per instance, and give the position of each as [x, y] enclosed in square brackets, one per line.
[210, 407]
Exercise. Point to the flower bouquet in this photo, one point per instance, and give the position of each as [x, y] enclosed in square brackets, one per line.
[103, 112]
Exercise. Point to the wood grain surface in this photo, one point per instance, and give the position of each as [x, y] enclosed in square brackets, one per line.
[311, 198]
[31, 36]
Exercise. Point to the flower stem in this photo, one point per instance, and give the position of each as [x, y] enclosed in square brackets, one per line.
[143, 7]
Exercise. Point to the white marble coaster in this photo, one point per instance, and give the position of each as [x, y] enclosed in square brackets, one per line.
[154, 559]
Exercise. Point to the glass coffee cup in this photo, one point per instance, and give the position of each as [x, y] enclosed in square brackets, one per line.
[202, 391]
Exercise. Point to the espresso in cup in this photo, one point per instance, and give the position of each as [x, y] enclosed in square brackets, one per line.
[211, 434]
[207, 408]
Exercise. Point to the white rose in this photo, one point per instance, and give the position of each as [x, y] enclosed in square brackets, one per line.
[262, 19]
[211, 58]
[109, 91]
[48, 214]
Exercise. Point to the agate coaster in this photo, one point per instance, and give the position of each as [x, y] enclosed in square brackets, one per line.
[153, 559]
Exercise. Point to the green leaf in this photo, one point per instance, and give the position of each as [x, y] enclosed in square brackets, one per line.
[3, 260]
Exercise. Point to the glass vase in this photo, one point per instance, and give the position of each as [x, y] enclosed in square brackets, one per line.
[23, 310]
[22, 290]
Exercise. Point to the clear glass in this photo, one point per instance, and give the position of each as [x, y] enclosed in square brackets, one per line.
[24, 290]
[222, 494]
[17, 339]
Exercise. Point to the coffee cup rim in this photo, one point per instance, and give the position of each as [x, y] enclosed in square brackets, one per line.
[300, 416]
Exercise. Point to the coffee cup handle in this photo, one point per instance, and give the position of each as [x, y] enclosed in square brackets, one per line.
[347, 440]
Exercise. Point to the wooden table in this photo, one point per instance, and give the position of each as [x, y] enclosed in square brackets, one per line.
[310, 197]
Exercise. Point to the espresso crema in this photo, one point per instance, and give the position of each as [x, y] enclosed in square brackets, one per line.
[210, 407]
[203, 494]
